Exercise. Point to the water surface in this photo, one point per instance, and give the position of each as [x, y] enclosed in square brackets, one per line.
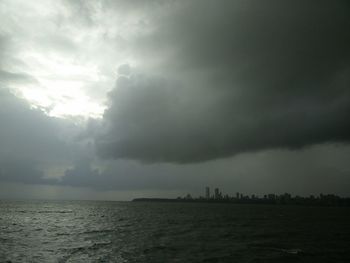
[87, 231]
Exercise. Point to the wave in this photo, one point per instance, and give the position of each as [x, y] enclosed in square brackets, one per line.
[55, 212]
[98, 231]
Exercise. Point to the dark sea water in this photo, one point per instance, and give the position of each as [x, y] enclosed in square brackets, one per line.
[85, 231]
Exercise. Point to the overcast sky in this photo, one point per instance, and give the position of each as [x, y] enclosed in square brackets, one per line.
[103, 99]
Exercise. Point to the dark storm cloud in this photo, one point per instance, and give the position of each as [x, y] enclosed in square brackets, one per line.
[26, 132]
[126, 175]
[234, 76]
[196, 81]
[22, 171]
[82, 174]
[30, 141]
[322, 168]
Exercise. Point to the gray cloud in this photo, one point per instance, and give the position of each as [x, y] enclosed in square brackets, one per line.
[322, 168]
[31, 143]
[207, 93]
[27, 133]
[236, 77]
[10, 77]
[35, 143]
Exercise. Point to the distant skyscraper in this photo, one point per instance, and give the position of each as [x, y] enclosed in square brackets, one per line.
[207, 192]
[217, 193]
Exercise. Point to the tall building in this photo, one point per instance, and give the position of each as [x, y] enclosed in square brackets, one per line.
[207, 192]
[217, 193]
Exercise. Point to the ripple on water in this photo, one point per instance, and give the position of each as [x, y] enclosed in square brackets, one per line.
[131, 232]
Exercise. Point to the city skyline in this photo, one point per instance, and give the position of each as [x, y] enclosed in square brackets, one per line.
[266, 199]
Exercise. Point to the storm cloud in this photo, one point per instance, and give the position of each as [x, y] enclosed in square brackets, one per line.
[121, 99]
[233, 77]
[32, 145]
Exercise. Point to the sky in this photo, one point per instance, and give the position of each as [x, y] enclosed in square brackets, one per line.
[113, 100]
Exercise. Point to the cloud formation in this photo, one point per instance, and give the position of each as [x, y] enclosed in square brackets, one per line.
[236, 77]
[32, 145]
[196, 93]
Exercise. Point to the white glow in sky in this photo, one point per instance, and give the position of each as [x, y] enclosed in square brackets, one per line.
[71, 58]
[60, 85]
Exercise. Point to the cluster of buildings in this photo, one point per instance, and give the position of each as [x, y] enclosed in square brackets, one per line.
[217, 193]
[286, 198]
[239, 198]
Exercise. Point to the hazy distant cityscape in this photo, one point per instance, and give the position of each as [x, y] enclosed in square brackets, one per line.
[239, 198]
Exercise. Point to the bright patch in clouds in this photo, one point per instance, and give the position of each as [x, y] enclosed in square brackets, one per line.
[61, 84]
[70, 57]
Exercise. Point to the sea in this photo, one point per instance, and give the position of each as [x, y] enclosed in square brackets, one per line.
[96, 231]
